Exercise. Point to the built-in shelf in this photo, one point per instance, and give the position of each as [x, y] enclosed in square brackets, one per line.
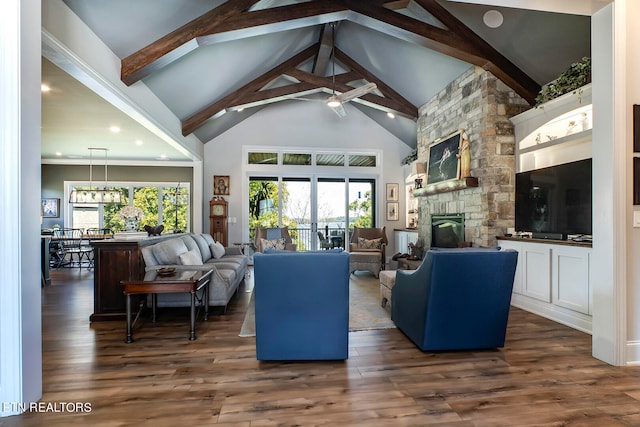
[573, 138]
[445, 186]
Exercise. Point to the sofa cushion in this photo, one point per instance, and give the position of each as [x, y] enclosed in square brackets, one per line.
[369, 243]
[203, 246]
[207, 238]
[167, 252]
[191, 257]
[190, 243]
[217, 250]
[278, 244]
[147, 255]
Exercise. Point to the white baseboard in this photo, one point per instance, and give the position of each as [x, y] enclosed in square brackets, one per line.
[633, 353]
[573, 319]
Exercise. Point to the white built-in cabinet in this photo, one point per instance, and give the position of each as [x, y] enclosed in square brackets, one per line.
[553, 280]
[557, 132]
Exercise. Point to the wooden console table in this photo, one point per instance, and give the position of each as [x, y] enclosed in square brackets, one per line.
[190, 281]
[117, 260]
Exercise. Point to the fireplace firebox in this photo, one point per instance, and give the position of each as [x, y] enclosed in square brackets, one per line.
[447, 230]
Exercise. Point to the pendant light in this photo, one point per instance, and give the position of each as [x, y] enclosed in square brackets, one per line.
[333, 101]
[97, 195]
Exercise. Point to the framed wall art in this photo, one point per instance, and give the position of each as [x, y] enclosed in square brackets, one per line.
[50, 208]
[221, 185]
[392, 192]
[443, 164]
[392, 211]
[636, 128]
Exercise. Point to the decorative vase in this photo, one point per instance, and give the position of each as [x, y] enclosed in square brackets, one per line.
[131, 224]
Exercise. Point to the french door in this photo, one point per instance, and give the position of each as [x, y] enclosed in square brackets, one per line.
[319, 211]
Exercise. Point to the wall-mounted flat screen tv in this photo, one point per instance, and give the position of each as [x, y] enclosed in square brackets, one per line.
[555, 199]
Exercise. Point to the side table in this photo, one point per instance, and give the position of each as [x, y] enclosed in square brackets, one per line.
[153, 283]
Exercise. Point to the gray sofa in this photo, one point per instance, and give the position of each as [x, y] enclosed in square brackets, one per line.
[228, 270]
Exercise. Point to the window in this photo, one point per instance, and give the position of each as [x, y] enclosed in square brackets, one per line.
[166, 204]
[256, 158]
[362, 160]
[329, 159]
[296, 159]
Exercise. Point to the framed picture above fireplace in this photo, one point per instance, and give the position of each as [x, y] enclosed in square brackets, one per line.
[443, 163]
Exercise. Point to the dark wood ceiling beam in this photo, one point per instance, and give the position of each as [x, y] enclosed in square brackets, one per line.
[178, 42]
[281, 18]
[321, 61]
[458, 41]
[496, 63]
[229, 21]
[195, 121]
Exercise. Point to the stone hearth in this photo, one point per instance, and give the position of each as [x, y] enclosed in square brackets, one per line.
[482, 105]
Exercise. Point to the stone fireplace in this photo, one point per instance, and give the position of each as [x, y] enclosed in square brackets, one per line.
[482, 105]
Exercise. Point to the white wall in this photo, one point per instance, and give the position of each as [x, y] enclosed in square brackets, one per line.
[20, 318]
[632, 91]
[306, 125]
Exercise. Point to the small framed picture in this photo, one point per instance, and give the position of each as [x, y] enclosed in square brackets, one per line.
[392, 192]
[221, 185]
[392, 211]
[50, 208]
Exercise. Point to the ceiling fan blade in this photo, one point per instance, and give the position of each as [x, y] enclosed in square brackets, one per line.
[340, 111]
[357, 92]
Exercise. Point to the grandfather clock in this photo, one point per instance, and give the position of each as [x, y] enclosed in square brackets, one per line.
[218, 220]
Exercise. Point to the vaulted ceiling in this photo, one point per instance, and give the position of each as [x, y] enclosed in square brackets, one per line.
[215, 63]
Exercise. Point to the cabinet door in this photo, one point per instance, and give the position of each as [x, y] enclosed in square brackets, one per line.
[570, 278]
[536, 274]
[517, 281]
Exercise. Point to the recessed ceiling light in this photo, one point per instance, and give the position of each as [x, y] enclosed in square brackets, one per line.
[58, 153]
[163, 156]
[493, 18]
[44, 88]
[391, 115]
[139, 142]
[114, 129]
[240, 110]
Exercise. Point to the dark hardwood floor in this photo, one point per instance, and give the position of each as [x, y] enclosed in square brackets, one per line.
[545, 375]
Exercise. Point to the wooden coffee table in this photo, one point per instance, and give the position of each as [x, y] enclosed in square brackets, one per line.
[153, 283]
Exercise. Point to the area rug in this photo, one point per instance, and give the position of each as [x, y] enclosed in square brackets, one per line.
[365, 311]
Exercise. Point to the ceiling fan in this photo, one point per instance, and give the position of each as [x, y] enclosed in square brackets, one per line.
[336, 100]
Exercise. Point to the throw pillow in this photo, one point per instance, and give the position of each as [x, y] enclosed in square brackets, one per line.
[277, 244]
[191, 257]
[217, 250]
[369, 243]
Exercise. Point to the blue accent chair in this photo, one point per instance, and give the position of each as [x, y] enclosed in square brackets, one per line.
[456, 300]
[302, 305]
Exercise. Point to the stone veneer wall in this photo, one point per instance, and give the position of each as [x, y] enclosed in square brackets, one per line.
[482, 105]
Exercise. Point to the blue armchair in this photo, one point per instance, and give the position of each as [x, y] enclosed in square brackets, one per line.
[302, 305]
[457, 299]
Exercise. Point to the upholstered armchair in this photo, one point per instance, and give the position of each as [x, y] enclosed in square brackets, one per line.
[457, 299]
[274, 238]
[302, 305]
[367, 248]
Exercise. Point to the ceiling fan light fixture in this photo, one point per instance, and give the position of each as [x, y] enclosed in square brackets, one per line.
[334, 102]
